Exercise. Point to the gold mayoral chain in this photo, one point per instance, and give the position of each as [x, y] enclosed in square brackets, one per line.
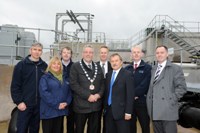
[91, 87]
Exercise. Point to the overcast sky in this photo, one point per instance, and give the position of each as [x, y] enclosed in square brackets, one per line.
[117, 18]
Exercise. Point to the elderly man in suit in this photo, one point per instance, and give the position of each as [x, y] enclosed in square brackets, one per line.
[167, 86]
[87, 84]
[118, 97]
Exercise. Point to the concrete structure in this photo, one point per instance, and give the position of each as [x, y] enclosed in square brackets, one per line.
[14, 43]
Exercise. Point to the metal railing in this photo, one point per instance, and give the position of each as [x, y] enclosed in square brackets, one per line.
[164, 20]
[97, 37]
[194, 59]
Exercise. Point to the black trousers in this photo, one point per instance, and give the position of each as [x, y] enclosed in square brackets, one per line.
[70, 120]
[115, 126]
[70, 125]
[140, 113]
[53, 125]
[92, 119]
[29, 120]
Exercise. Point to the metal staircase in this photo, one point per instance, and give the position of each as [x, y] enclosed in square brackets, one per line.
[181, 42]
[171, 29]
[174, 30]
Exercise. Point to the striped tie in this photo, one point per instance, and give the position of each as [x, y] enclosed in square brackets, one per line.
[157, 73]
[103, 69]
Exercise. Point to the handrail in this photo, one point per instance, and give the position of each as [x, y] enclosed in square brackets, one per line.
[157, 22]
[188, 32]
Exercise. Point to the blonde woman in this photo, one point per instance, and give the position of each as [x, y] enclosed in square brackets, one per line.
[55, 96]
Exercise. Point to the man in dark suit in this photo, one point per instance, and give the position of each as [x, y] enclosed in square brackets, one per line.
[106, 67]
[142, 75]
[167, 86]
[87, 83]
[118, 97]
[104, 63]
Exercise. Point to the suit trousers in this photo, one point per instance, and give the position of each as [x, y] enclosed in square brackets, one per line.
[164, 127]
[140, 113]
[70, 121]
[52, 125]
[92, 119]
[115, 126]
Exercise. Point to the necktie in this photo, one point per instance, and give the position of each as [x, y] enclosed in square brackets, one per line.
[135, 66]
[103, 69]
[90, 66]
[157, 73]
[111, 85]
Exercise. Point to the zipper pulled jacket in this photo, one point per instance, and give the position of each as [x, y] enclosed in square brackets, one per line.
[25, 81]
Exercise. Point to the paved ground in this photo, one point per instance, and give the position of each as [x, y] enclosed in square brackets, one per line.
[4, 127]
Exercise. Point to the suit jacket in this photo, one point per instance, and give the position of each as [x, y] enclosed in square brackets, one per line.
[80, 87]
[163, 95]
[142, 76]
[109, 66]
[122, 94]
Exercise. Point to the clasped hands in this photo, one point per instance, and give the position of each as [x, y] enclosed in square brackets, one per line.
[93, 98]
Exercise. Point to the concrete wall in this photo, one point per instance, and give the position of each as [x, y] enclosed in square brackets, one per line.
[77, 51]
[5, 98]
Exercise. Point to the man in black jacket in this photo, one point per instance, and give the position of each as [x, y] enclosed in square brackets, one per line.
[142, 74]
[86, 80]
[106, 67]
[119, 95]
[24, 89]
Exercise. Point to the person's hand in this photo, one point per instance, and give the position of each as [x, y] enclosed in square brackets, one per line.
[92, 98]
[62, 105]
[21, 106]
[97, 96]
[127, 116]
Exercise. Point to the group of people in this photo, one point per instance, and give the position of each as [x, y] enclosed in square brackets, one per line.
[88, 92]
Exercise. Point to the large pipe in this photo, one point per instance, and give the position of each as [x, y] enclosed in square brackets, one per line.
[189, 116]
[12, 128]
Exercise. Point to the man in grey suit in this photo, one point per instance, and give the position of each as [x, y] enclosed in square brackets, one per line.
[167, 86]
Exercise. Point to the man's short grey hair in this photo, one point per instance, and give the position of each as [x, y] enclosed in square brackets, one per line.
[37, 44]
[88, 46]
[136, 46]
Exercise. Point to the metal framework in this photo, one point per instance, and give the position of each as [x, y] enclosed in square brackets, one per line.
[74, 18]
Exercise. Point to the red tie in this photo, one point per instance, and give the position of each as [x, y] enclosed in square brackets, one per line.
[135, 66]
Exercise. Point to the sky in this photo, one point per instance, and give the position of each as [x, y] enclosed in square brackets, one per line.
[118, 19]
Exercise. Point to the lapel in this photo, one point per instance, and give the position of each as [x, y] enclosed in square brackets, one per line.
[109, 66]
[154, 70]
[162, 73]
[109, 75]
[153, 74]
[90, 72]
[118, 76]
[93, 68]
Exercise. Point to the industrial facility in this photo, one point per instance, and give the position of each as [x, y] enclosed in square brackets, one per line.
[181, 37]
